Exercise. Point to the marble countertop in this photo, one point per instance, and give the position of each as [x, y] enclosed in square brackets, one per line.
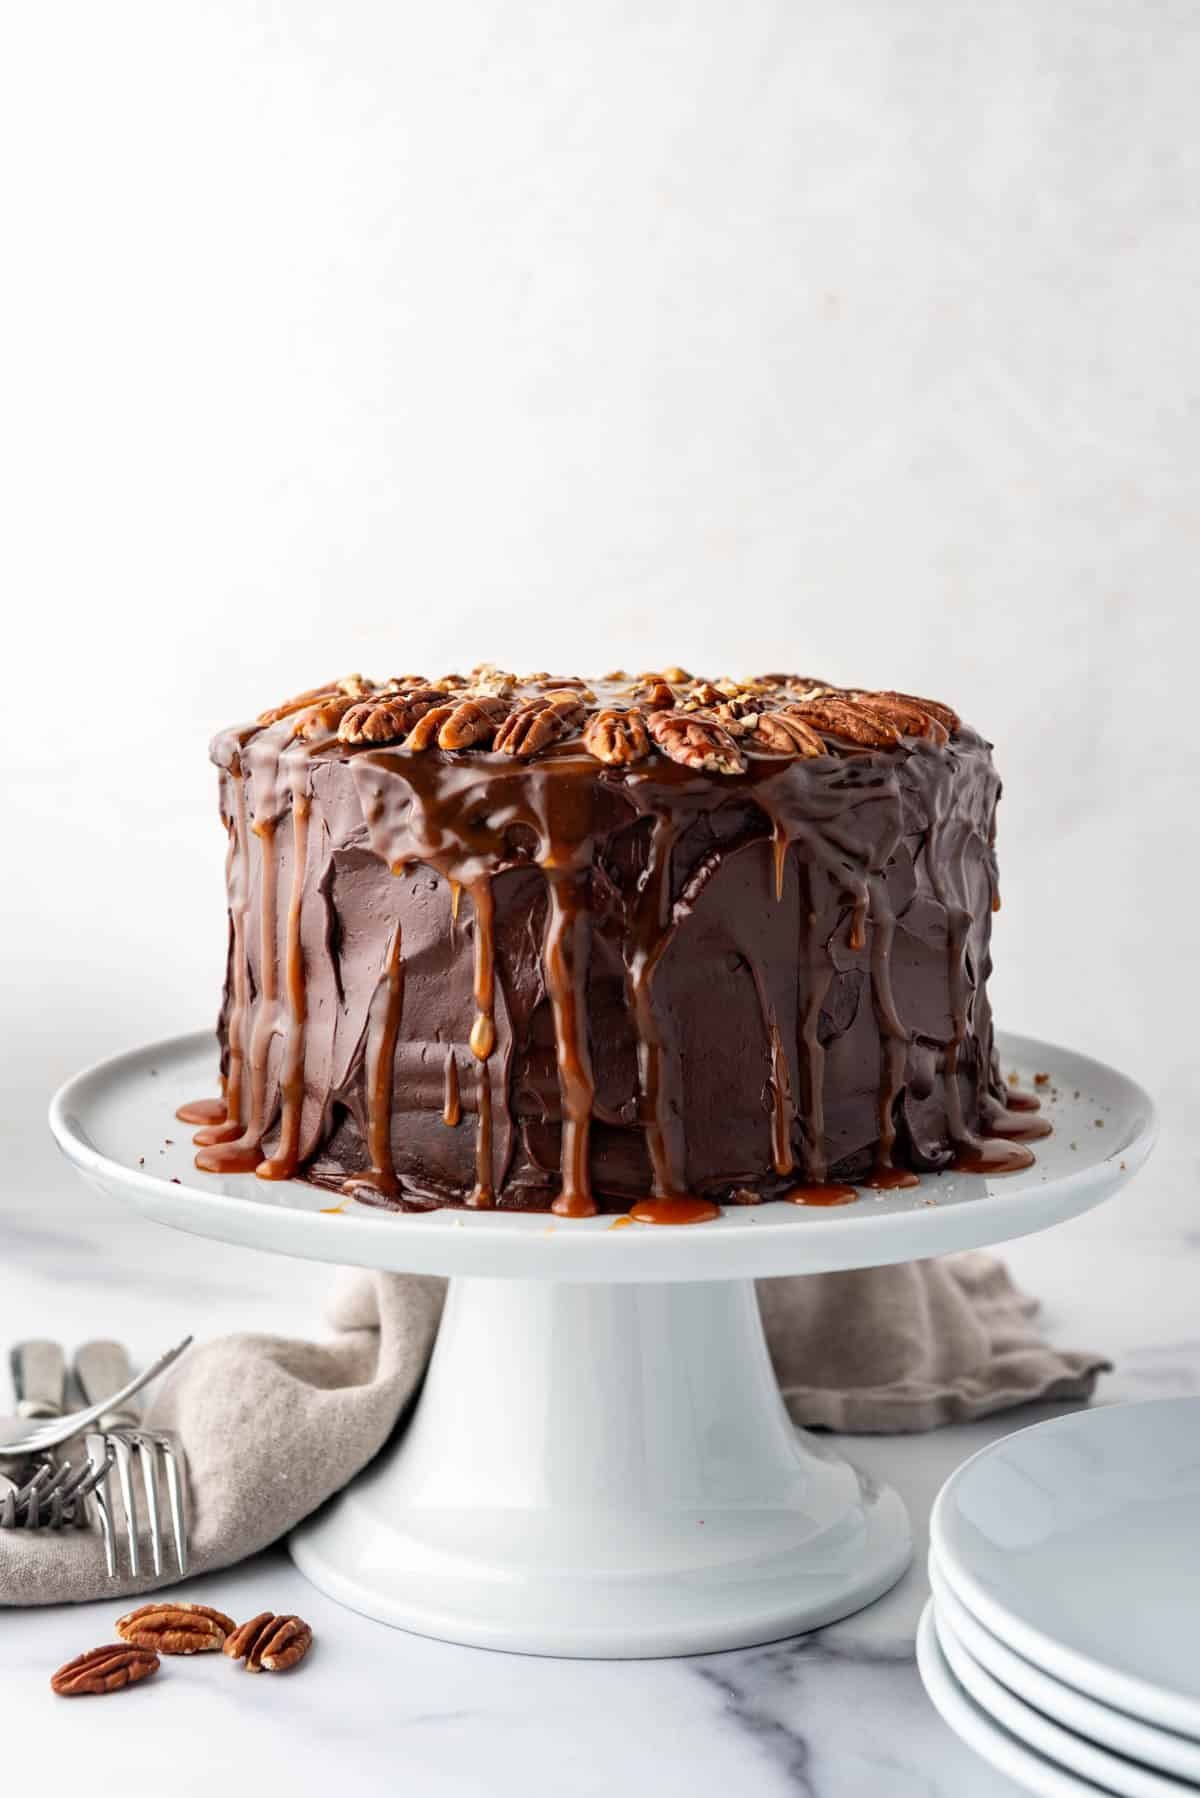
[837, 1714]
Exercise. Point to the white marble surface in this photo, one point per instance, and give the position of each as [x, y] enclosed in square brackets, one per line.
[840, 1714]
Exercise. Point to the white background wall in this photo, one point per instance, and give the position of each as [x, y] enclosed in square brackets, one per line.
[860, 335]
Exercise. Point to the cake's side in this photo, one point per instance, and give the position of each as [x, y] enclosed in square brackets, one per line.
[717, 961]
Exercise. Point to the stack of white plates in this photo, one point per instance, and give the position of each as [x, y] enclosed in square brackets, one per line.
[1062, 1640]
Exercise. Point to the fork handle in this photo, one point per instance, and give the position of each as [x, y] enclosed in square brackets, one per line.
[102, 1368]
[39, 1376]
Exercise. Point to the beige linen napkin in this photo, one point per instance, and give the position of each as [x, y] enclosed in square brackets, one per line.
[272, 1428]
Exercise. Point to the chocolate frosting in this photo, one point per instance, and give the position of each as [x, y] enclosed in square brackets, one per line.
[550, 981]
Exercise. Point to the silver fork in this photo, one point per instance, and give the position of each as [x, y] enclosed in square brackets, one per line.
[53, 1494]
[20, 1440]
[102, 1370]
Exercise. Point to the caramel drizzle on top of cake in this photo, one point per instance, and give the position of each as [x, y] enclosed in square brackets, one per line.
[785, 735]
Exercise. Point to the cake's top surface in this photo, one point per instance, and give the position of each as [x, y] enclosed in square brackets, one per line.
[619, 720]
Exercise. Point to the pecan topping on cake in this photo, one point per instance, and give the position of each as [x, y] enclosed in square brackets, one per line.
[473, 721]
[787, 733]
[352, 685]
[521, 716]
[696, 741]
[424, 733]
[617, 738]
[539, 722]
[388, 718]
[847, 718]
[655, 694]
[908, 717]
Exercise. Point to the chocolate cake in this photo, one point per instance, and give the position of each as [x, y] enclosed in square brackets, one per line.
[651, 942]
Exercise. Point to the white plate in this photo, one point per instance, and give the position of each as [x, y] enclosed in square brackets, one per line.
[1043, 1734]
[116, 1122]
[1077, 1542]
[1095, 1722]
[983, 1733]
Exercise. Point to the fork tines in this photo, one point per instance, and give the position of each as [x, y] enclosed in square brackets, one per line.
[152, 1455]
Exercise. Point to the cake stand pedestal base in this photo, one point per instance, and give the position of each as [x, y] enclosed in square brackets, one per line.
[605, 1470]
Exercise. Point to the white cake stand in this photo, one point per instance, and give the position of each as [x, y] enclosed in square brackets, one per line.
[600, 1463]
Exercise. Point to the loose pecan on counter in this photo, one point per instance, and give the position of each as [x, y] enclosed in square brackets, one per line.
[104, 1669]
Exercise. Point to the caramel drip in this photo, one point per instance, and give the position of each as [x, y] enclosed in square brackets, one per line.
[650, 929]
[1017, 1101]
[780, 1087]
[243, 1155]
[565, 964]
[382, 1037]
[282, 1165]
[237, 880]
[452, 1103]
[202, 1111]
[455, 899]
[1015, 1123]
[779, 852]
[483, 1196]
[483, 1030]
[677, 1208]
[483, 1038]
[894, 1036]
[819, 970]
[832, 1194]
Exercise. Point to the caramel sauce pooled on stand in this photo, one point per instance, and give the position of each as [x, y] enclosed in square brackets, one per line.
[202, 1111]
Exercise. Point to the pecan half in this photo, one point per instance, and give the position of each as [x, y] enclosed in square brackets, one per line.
[617, 738]
[536, 723]
[424, 732]
[104, 1670]
[473, 721]
[788, 734]
[387, 719]
[322, 719]
[696, 742]
[910, 719]
[175, 1628]
[944, 714]
[352, 685]
[269, 1644]
[847, 718]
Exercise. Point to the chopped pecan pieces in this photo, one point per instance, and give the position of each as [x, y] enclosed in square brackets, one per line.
[175, 1628]
[788, 734]
[537, 723]
[104, 1670]
[269, 1644]
[655, 694]
[388, 719]
[696, 742]
[846, 718]
[617, 738]
[473, 721]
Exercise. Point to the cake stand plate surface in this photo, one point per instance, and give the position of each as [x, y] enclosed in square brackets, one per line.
[600, 1463]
